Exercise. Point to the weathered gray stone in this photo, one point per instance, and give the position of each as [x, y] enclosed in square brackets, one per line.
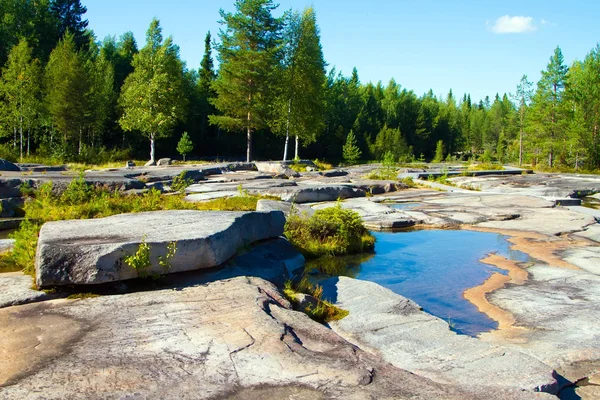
[284, 206]
[316, 193]
[229, 339]
[276, 168]
[6, 165]
[10, 207]
[333, 173]
[16, 288]
[92, 251]
[411, 339]
[150, 163]
[6, 245]
[163, 162]
[129, 164]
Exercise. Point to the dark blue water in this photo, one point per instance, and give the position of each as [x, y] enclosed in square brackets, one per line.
[434, 268]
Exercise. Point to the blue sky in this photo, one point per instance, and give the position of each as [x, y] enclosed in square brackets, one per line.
[477, 47]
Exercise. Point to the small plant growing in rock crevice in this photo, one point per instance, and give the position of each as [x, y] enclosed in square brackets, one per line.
[140, 260]
[319, 310]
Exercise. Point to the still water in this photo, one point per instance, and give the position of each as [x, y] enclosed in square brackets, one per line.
[434, 268]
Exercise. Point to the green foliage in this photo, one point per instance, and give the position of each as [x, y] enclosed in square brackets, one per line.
[408, 181]
[181, 182]
[185, 145]
[82, 296]
[300, 103]
[249, 54]
[152, 95]
[323, 311]
[351, 152]
[439, 152]
[165, 261]
[331, 231]
[140, 260]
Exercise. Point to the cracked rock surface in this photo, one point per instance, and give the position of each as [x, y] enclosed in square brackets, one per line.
[236, 338]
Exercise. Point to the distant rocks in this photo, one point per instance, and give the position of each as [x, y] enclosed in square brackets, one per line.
[276, 168]
[163, 162]
[92, 251]
[315, 193]
[8, 166]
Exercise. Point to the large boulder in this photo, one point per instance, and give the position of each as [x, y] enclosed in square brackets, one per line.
[315, 193]
[8, 166]
[276, 168]
[92, 251]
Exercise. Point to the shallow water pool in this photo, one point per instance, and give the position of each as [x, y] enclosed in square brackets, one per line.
[434, 268]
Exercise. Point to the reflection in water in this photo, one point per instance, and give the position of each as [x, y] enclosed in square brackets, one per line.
[404, 206]
[431, 267]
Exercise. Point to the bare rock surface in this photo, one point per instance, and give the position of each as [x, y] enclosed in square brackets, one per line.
[92, 251]
[411, 339]
[229, 339]
[16, 288]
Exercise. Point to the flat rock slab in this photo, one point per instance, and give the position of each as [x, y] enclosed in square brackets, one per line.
[15, 289]
[228, 339]
[92, 251]
[411, 339]
[315, 193]
[284, 206]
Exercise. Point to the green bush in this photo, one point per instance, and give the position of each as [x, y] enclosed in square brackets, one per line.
[323, 311]
[332, 231]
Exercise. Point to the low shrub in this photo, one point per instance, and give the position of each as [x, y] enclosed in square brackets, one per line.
[322, 311]
[332, 231]
[488, 166]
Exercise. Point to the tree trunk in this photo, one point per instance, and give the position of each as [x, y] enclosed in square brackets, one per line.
[296, 156]
[152, 147]
[14, 136]
[249, 139]
[28, 139]
[80, 141]
[21, 137]
[287, 131]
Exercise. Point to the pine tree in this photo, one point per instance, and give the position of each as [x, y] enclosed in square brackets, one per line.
[67, 85]
[69, 14]
[206, 77]
[248, 56]
[301, 103]
[547, 112]
[185, 145]
[152, 95]
[350, 151]
[439, 152]
[21, 87]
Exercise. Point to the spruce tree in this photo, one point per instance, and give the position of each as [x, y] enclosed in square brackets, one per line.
[185, 145]
[249, 53]
[67, 85]
[69, 14]
[152, 96]
[547, 112]
[206, 77]
[350, 151]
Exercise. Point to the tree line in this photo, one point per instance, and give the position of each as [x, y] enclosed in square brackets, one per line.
[68, 96]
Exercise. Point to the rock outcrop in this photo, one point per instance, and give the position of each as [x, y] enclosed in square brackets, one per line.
[92, 251]
[235, 339]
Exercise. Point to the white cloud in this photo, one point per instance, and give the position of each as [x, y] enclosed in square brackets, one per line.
[516, 24]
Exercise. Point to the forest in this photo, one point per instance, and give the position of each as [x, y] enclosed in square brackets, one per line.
[66, 96]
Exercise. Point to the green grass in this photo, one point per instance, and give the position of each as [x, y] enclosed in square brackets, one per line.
[81, 296]
[82, 201]
[486, 167]
[323, 310]
[384, 173]
[331, 231]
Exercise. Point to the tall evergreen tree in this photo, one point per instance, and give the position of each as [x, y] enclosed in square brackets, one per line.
[547, 112]
[67, 85]
[249, 52]
[152, 96]
[206, 77]
[69, 14]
